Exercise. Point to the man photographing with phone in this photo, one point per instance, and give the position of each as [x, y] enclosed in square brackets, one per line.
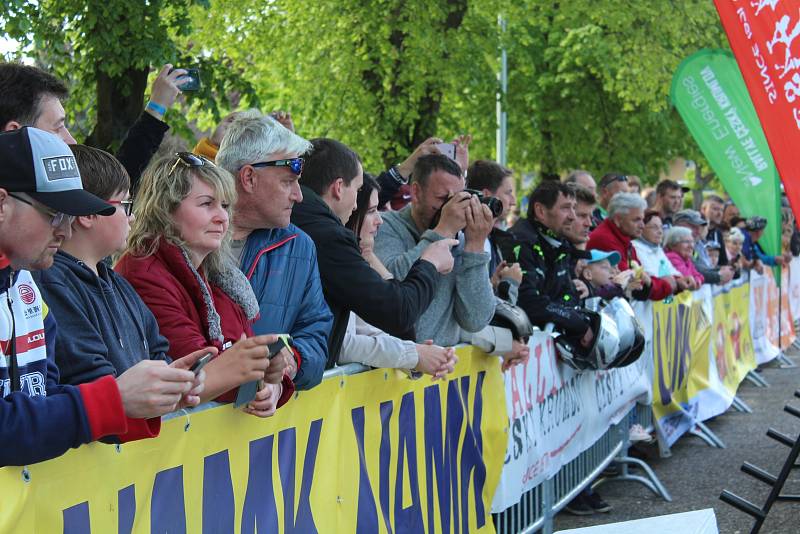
[463, 298]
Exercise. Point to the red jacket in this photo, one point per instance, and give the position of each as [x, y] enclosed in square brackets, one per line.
[172, 291]
[608, 237]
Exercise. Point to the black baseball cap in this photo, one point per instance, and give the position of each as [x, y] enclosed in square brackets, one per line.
[42, 166]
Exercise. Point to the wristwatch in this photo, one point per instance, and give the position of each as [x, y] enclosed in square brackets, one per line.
[394, 172]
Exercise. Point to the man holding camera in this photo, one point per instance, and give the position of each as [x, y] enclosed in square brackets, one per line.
[441, 209]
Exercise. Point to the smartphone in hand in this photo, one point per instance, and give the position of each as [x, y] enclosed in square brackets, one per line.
[200, 363]
[189, 81]
[448, 149]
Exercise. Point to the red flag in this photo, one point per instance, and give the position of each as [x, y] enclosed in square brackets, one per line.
[765, 38]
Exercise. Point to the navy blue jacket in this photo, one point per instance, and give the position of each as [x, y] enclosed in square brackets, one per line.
[39, 425]
[105, 326]
[281, 265]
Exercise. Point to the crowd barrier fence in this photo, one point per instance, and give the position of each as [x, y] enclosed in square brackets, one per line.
[372, 451]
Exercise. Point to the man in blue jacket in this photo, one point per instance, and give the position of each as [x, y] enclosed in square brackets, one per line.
[279, 259]
[40, 195]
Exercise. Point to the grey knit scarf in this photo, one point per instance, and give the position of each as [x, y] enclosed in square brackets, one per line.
[234, 284]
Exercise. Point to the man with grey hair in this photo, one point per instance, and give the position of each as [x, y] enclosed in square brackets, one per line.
[625, 222]
[279, 259]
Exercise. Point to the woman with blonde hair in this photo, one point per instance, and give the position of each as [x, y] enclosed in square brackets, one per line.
[178, 261]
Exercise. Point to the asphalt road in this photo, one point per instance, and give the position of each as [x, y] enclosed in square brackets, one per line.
[696, 474]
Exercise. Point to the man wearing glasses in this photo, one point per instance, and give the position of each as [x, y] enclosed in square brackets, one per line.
[40, 196]
[278, 258]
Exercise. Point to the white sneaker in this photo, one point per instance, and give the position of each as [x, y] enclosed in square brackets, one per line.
[638, 433]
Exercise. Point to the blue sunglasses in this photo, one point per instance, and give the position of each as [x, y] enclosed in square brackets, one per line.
[294, 164]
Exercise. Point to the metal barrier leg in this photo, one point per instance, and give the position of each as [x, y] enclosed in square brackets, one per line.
[740, 406]
[756, 379]
[651, 482]
[786, 362]
[703, 432]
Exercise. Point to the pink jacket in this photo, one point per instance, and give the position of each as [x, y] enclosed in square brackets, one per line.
[685, 267]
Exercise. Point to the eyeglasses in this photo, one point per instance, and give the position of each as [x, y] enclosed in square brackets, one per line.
[294, 164]
[190, 160]
[57, 218]
[127, 205]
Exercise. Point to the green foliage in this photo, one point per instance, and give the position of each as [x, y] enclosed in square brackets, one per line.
[588, 79]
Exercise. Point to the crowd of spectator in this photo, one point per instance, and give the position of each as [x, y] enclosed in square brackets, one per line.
[240, 271]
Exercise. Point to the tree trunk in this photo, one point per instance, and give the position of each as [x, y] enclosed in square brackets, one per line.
[120, 101]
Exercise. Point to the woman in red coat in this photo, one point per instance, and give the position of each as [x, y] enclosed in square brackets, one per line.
[178, 260]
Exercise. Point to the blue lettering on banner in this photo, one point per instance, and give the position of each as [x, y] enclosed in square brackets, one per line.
[407, 519]
[76, 519]
[385, 455]
[367, 517]
[260, 511]
[126, 509]
[472, 455]
[303, 521]
[167, 509]
[444, 460]
[218, 506]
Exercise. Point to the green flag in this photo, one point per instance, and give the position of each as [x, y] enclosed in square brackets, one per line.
[710, 94]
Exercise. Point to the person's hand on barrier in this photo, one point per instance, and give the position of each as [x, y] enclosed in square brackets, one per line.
[758, 266]
[431, 358]
[682, 283]
[266, 400]
[586, 340]
[438, 253]
[581, 288]
[462, 151]
[480, 222]
[780, 260]
[673, 283]
[284, 118]
[428, 146]
[520, 352]
[454, 215]
[192, 398]
[151, 388]
[450, 364]
[165, 89]
[726, 273]
[248, 358]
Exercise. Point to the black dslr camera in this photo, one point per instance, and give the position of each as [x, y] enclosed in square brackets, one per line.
[495, 206]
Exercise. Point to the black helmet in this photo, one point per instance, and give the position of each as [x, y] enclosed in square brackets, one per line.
[514, 318]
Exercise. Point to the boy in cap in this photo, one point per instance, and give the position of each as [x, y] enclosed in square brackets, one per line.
[603, 279]
[40, 195]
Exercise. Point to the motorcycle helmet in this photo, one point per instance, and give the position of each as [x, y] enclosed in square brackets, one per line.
[631, 333]
[514, 318]
[601, 353]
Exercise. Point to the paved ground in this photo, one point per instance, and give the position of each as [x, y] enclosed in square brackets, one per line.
[696, 473]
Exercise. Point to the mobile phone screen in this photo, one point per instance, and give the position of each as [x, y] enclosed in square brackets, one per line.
[448, 149]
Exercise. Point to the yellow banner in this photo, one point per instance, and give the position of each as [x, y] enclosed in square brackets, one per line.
[372, 452]
[680, 350]
[733, 345]
[687, 334]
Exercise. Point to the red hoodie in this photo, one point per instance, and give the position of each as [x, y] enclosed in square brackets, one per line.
[172, 292]
[608, 237]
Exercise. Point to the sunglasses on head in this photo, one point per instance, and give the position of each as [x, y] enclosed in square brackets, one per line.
[294, 164]
[190, 160]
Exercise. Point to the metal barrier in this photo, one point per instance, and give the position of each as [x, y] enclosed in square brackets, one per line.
[537, 508]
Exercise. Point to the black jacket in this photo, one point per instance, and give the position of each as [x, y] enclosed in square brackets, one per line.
[547, 293]
[715, 235]
[350, 284]
[140, 145]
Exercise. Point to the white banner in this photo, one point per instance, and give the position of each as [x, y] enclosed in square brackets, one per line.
[759, 317]
[794, 288]
[556, 413]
